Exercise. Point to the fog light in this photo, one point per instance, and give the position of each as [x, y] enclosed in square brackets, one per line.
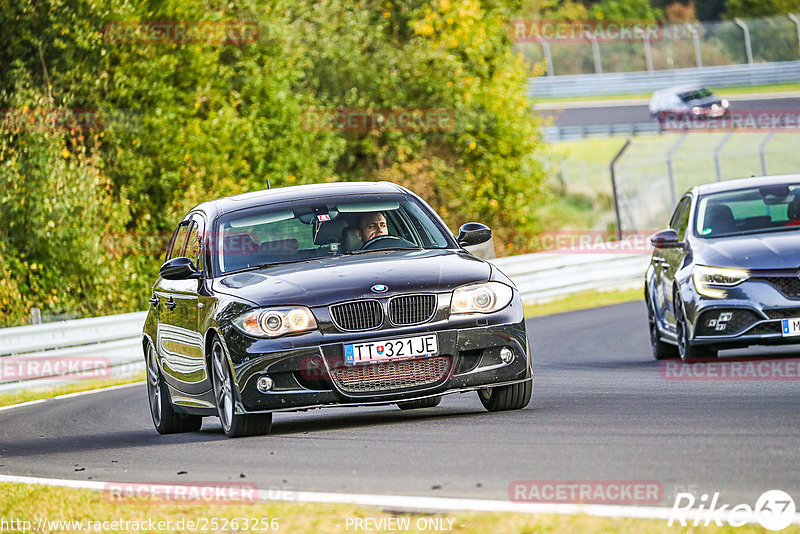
[264, 384]
[506, 354]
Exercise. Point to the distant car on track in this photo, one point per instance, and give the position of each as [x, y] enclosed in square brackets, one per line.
[687, 100]
[726, 273]
[285, 300]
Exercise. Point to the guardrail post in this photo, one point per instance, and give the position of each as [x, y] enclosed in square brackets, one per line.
[696, 38]
[36, 316]
[762, 149]
[796, 21]
[747, 48]
[598, 66]
[548, 57]
[670, 173]
[648, 54]
[717, 151]
[614, 186]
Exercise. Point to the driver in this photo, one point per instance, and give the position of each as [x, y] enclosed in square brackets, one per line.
[371, 225]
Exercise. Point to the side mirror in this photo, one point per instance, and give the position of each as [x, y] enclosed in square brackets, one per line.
[473, 233]
[666, 239]
[179, 269]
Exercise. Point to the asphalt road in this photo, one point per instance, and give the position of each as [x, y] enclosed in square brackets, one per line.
[613, 113]
[601, 411]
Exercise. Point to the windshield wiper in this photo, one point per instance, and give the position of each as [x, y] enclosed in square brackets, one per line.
[266, 265]
[383, 249]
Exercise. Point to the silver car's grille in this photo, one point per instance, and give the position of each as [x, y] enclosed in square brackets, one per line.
[357, 315]
[783, 313]
[788, 285]
[391, 376]
[412, 309]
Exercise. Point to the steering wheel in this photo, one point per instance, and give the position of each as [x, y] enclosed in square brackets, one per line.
[386, 241]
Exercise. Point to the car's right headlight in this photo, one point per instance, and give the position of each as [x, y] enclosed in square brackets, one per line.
[712, 281]
[275, 322]
[486, 297]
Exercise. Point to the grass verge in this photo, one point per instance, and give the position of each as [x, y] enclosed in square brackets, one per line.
[46, 393]
[582, 301]
[34, 503]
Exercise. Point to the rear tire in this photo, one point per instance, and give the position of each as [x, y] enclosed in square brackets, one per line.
[513, 397]
[422, 403]
[234, 425]
[165, 418]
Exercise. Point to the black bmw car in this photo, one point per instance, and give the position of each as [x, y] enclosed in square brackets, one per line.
[327, 295]
[726, 273]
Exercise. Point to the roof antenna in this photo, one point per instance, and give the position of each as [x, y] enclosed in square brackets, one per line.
[268, 186]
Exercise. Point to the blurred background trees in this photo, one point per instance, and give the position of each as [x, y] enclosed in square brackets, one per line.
[85, 210]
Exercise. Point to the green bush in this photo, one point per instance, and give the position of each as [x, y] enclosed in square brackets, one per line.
[183, 123]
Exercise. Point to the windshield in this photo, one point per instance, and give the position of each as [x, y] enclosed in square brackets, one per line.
[749, 211]
[695, 94]
[322, 228]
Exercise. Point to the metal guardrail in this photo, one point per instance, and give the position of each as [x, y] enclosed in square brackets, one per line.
[572, 133]
[547, 276]
[646, 82]
[116, 339]
[50, 354]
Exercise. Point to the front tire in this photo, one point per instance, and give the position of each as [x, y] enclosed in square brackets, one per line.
[661, 350]
[234, 425]
[688, 353]
[513, 397]
[165, 418]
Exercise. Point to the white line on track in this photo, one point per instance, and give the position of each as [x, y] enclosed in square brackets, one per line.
[70, 395]
[403, 502]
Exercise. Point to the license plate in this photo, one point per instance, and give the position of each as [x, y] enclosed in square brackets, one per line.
[391, 349]
[790, 327]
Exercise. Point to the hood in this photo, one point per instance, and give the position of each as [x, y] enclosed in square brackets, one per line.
[326, 281]
[776, 250]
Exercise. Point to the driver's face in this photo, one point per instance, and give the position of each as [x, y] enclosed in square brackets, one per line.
[372, 225]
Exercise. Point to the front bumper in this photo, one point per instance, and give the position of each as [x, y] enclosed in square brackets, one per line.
[306, 371]
[752, 313]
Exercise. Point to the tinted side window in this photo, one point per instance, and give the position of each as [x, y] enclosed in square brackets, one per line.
[677, 215]
[178, 244]
[684, 222]
[193, 244]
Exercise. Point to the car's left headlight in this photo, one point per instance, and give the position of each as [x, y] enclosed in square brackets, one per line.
[486, 297]
[275, 322]
[712, 281]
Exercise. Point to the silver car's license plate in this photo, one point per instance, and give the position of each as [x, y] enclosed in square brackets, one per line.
[790, 327]
[391, 349]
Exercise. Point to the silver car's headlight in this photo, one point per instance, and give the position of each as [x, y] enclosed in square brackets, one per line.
[486, 297]
[712, 281]
[275, 322]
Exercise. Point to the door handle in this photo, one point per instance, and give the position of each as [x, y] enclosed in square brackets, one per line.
[170, 304]
[154, 301]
